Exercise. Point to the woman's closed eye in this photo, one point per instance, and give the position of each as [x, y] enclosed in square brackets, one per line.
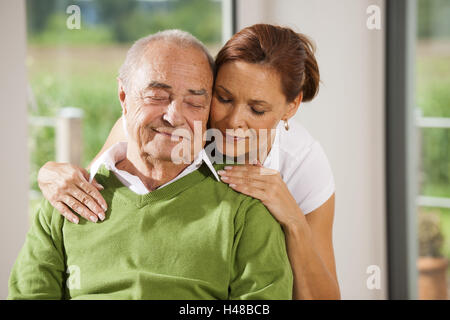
[257, 112]
[223, 100]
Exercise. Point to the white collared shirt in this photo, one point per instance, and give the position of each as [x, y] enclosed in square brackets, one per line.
[118, 152]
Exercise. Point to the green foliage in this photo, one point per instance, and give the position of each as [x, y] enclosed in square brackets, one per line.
[434, 231]
[124, 21]
[431, 238]
[113, 10]
[38, 13]
[198, 17]
[129, 22]
[436, 161]
[433, 98]
[85, 80]
[56, 33]
[445, 227]
[433, 18]
[117, 14]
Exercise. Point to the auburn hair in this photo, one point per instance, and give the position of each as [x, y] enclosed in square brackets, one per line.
[289, 53]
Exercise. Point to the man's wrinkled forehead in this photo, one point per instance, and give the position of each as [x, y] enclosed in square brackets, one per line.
[176, 65]
[176, 68]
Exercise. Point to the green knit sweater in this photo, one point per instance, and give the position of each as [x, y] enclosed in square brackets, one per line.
[195, 238]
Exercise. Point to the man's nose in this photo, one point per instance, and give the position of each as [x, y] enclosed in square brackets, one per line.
[174, 114]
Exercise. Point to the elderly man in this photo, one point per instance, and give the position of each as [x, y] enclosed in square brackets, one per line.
[172, 230]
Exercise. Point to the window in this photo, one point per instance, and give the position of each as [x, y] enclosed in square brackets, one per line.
[433, 123]
[72, 71]
[418, 162]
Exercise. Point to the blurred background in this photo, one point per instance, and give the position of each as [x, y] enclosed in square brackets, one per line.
[60, 102]
[78, 68]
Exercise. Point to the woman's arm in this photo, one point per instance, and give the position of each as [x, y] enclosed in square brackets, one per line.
[308, 239]
[116, 135]
[67, 186]
[310, 248]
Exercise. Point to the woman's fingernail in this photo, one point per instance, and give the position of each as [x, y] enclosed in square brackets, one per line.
[101, 187]
[101, 216]
[224, 178]
[221, 172]
[93, 218]
[75, 220]
[104, 207]
[232, 185]
[228, 167]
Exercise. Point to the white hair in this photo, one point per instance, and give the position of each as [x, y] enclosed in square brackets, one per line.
[179, 37]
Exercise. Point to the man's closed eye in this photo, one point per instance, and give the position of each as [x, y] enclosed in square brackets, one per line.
[155, 99]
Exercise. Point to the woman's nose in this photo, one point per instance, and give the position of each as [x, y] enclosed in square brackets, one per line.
[236, 118]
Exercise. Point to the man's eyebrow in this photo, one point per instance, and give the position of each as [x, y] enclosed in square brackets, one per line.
[160, 85]
[156, 84]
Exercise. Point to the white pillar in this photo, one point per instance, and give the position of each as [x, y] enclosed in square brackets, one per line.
[69, 141]
[14, 182]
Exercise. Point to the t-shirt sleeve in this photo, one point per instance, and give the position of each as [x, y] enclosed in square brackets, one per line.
[260, 265]
[311, 181]
[39, 269]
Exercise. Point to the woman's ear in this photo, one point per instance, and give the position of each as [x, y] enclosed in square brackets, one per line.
[293, 107]
[122, 95]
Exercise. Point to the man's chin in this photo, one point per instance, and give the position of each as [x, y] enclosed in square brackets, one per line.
[164, 153]
[159, 156]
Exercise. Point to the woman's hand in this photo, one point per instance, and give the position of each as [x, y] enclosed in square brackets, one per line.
[266, 185]
[65, 185]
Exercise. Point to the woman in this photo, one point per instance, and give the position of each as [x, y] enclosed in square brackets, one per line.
[263, 73]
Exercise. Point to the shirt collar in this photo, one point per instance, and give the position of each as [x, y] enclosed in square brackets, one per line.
[118, 151]
[204, 158]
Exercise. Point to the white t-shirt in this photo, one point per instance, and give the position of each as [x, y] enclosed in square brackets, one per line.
[303, 165]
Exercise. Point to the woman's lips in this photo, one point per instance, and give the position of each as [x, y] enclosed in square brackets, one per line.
[234, 138]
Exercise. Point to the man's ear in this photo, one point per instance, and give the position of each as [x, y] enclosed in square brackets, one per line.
[122, 95]
[293, 107]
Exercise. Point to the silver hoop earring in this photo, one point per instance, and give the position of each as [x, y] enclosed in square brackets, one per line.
[286, 125]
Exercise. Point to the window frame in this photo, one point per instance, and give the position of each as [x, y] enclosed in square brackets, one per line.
[401, 149]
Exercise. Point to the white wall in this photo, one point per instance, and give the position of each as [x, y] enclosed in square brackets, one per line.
[347, 117]
[13, 137]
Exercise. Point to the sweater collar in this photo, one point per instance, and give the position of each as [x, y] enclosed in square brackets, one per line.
[115, 188]
[118, 152]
